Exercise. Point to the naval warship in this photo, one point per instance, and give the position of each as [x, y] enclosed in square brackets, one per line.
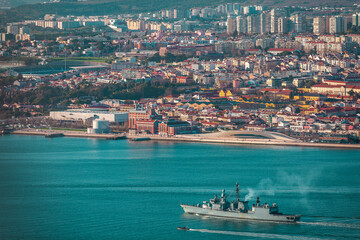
[237, 209]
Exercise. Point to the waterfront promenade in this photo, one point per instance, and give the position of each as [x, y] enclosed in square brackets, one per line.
[229, 137]
[225, 137]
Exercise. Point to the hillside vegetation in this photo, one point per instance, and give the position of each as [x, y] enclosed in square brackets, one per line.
[15, 3]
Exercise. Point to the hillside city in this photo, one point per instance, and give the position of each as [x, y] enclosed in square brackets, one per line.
[291, 70]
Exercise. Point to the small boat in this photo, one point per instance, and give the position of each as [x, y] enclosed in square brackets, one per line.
[183, 228]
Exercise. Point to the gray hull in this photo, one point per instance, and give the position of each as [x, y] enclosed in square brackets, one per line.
[257, 214]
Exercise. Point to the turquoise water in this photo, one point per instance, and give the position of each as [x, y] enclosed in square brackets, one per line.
[73, 188]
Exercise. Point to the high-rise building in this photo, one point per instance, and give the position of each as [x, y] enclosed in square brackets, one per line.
[231, 25]
[195, 11]
[206, 12]
[259, 8]
[181, 26]
[221, 9]
[275, 14]
[241, 24]
[249, 10]
[253, 23]
[283, 25]
[163, 13]
[6, 37]
[298, 23]
[267, 22]
[327, 24]
[237, 8]
[263, 23]
[68, 24]
[169, 14]
[24, 30]
[136, 24]
[319, 25]
[337, 24]
[12, 29]
[356, 19]
[229, 9]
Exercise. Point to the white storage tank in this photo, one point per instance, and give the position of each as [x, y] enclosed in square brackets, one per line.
[101, 126]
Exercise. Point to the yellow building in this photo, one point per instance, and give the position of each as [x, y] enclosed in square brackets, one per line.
[305, 90]
[222, 94]
[311, 110]
[304, 106]
[228, 93]
[307, 97]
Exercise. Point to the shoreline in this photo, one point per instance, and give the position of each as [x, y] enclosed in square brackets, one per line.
[180, 138]
[201, 138]
[69, 133]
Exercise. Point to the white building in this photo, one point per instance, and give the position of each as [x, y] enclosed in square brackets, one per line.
[231, 25]
[319, 25]
[85, 114]
[241, 24]
[337, 24]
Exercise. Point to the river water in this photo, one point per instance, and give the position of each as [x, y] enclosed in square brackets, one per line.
[74, 188]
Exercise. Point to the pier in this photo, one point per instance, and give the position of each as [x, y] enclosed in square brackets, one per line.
[68, 133]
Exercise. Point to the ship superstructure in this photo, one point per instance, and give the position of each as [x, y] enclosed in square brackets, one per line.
[237, 209]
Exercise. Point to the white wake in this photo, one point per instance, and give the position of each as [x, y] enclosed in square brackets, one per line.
[257, 235]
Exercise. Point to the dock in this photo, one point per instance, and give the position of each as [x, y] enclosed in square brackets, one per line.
[54, 135]
[141, 139]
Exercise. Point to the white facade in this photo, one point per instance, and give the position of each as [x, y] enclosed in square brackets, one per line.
[231, 25]
[319, 25]
[83, 114]
[337, 24]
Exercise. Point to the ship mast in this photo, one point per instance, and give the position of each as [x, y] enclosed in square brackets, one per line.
[237, 192]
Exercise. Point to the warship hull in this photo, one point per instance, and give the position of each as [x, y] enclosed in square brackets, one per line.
[251, 215]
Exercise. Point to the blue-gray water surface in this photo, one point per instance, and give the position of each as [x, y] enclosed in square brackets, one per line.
[74, 188]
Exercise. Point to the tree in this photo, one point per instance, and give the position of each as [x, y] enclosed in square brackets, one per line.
[291, 96]
[312, 51]
[309, 83]
[352, 94]
[284, 53]
[155, 58]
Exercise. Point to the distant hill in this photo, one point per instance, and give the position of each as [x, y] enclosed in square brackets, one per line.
[108, 7]
[170, 3]
[15, 3]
